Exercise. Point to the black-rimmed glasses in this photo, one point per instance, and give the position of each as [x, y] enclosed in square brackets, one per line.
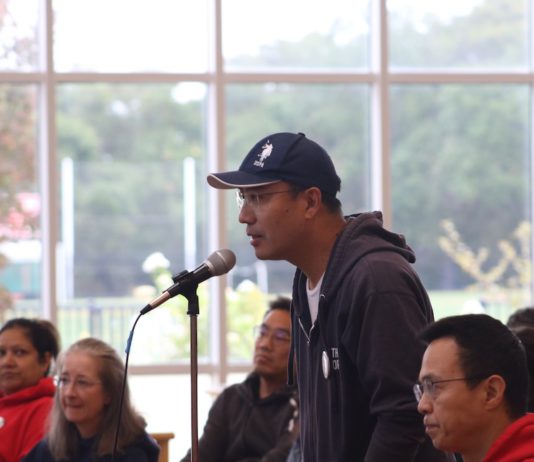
[428, 386]
[278, 335]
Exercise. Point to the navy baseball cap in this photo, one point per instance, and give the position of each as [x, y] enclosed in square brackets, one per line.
[278, 157]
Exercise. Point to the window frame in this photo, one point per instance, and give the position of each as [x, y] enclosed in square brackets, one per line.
[380, 77]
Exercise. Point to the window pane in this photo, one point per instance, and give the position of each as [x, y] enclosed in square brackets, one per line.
[461, 192]
[295, 35]
[20, 246]
[133, 172]
[18, 35]
[461, 34]
[131, 35]
[337, 117]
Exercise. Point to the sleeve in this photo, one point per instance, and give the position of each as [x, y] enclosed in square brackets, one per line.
[35, 426]
[142, 453]
[280, 452]
[384, 346]
[135, 455]
[39, 453]
[212, 443]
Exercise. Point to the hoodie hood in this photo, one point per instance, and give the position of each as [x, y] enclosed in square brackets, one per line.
[363, 234]
[515, 443]
[44, 388]
[249, 390]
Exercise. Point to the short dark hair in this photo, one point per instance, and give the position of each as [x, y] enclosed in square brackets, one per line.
[487, 347]
[41, 333]
[332, 203]
[526, 335]
[280, 303]
[521, 317]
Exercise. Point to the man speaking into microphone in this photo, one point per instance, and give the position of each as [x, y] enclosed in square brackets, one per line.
[358, 304]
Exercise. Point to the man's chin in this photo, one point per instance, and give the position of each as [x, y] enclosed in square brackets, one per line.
[266, 255]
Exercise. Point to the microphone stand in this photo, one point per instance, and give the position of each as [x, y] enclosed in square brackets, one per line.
[193, 311]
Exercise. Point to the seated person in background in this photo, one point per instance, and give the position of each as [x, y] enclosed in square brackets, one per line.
[521, 324]
[254, 420]
[472, 390]
[523, 317]
[83, 421]
[28, 348]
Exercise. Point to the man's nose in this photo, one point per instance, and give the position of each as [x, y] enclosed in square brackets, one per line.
[425, 404]
[266, 341]
[246, 214]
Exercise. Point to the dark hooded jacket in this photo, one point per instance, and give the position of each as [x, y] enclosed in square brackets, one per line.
[145, 449]
[241, 427]
[372, 306]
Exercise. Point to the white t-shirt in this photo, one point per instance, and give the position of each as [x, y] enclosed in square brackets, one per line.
[313, 298]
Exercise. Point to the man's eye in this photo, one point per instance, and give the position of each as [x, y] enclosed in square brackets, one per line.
[281, 335]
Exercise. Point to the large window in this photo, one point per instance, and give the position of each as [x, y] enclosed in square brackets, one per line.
[113, 112]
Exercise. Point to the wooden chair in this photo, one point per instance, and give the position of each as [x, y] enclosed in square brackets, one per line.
[163, 440]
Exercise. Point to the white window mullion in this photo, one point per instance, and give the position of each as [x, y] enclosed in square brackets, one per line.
[217, 162]
[380, 144]
[47, 162]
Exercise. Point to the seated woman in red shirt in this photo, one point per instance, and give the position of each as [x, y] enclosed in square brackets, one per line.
[28, 348]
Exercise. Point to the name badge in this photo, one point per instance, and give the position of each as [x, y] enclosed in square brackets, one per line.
[325, 360]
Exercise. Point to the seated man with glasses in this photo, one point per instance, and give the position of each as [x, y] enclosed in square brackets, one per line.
[473, 388]
[255, 419]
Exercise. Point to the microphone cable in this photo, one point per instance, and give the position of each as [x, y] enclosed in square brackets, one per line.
[123, 388]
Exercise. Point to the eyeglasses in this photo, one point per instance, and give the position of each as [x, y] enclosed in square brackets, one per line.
[79, 383]
[255, 199]
[278, 335]
[428, 386]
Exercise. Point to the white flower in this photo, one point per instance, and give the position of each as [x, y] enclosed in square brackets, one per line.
[154, 262]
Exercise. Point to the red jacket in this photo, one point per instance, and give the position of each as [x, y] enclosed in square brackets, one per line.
[23, 415]
[515, 444]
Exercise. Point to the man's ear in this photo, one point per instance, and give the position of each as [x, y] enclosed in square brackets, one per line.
[313, 197]
[494, 388]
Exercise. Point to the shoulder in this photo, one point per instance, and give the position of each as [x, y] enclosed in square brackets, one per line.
[145, 449]
[246, 387]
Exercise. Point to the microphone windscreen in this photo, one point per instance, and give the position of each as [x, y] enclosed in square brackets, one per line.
[221, 261]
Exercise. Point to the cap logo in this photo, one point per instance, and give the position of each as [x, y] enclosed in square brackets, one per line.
[266, 150]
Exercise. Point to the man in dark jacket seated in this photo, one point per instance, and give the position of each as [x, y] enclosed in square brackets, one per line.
[254, 419]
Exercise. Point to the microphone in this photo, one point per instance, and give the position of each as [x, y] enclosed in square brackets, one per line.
[219, 262]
